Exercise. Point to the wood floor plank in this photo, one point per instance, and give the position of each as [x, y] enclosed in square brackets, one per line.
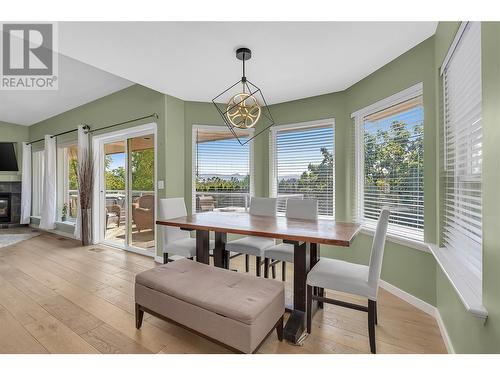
[124, 301]
[25, 283]
[58, 338]
[74, 317]
[14, 338]
[108, 340]
[87, 276]
[24, 309]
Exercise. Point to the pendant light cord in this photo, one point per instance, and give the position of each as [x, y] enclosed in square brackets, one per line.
[243, 78]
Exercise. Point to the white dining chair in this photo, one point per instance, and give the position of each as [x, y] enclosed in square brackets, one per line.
[175, 240]
[305, 209]
[253, 245]
[351, 278]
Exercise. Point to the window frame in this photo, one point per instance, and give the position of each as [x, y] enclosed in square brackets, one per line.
[460, 273]
[273, 188]
[358, 116]
[251, 166]
[63, 180]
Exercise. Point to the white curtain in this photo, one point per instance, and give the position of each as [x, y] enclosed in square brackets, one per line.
[49, 185]
[83, 150]
[26, 185]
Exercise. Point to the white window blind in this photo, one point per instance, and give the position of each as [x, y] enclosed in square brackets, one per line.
[303, 166]
[221, 170]
[462, 230]
[389, 159]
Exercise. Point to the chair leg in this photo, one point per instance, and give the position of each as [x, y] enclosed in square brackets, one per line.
[309, 290]
[273, 269]
[266, 268]
[376, 314]
[283, 271]
[321, 293]
[139, 314]
[371, 324]
[247, 263]
[165, 258]
[279, 329]
[258, 263]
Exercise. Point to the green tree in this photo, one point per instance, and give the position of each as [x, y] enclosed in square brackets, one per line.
[143, 169]
[115, 178]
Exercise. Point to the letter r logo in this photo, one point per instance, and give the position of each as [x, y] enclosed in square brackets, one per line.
[27, 49]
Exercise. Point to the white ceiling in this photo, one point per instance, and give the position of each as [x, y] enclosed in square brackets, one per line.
[79, 83]
[195, 60]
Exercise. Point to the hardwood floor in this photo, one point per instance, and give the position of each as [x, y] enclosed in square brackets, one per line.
[59, 297]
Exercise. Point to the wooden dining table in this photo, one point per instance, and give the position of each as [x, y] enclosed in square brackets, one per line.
[305, 235]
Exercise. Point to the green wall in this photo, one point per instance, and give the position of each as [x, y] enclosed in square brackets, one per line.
[13, 133]
[467, 333]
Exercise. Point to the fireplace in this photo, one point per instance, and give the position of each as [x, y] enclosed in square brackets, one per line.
[5, 207]
[10, 204]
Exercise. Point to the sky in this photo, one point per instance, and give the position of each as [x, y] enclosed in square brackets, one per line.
[117, 160]
[411, 118]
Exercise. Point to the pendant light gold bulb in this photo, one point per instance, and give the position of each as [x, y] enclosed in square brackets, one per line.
[243, 111]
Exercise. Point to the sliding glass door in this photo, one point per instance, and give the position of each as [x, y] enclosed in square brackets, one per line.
[127, 195]
[115, 180]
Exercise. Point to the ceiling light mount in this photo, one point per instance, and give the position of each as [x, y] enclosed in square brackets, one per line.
[244, 109]
[243, 54]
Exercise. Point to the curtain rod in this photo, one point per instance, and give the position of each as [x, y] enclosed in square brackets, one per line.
[85, 127]
[155, 115]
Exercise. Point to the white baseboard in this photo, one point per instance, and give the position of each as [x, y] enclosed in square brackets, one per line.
[58, 232]
[407, 297]
[423, 306]
[444, 333]
[158, 259]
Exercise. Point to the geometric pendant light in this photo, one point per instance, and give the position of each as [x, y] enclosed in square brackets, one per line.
[242, 105]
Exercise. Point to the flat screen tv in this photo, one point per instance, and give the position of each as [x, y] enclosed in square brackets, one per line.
[8, 160]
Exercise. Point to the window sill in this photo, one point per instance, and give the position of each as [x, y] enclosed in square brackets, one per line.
[418, 245]
[467, 286]
[68, 223]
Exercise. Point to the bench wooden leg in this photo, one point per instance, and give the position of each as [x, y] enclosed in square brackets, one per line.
[279, 329]
[139, 314]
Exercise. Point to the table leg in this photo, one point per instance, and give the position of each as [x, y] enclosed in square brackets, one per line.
[295, 325]
[220, 254]
[202, 246]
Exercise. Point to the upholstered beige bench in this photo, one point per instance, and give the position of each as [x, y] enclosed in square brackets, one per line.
[234, 309]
